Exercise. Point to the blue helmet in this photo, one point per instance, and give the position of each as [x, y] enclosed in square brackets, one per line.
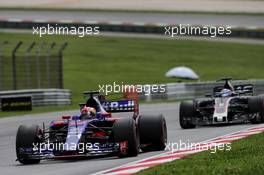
[225, 93]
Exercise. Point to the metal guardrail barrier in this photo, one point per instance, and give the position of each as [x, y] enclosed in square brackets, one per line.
[183, 91]
[42, 97]
[246, 32]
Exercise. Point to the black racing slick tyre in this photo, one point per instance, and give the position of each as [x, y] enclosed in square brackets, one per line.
[262, 112]
[187, 114]
[255, 106]
[152, 133]
[25, 138]
[125, 130]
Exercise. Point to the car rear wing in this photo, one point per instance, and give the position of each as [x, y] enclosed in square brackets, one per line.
[120, 106]
[129, 102]
[244, 89]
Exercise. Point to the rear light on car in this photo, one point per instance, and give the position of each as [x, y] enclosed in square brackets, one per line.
[66, 117]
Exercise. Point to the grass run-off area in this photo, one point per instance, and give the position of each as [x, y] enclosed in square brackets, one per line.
[245, 157]
[92, 61]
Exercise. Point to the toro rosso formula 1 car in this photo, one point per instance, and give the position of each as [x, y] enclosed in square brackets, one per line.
[93, 132]
[227, 104]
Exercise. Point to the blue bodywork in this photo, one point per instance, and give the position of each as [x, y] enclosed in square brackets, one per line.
[77, 128]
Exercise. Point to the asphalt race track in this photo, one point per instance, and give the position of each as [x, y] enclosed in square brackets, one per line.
[8, 128]
[130, 17]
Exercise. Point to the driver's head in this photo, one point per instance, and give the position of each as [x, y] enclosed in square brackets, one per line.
[88, 112]
[226, 93]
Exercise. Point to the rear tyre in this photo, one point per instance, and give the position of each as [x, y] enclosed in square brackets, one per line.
[187, 114]
[125, 131]
[152, 133]
[25, 138]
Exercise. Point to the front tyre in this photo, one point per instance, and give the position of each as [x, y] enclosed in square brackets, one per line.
[125, 131]
[25, 138]
[256, 109]
[152, 133]
[262, 112]
[187, 114]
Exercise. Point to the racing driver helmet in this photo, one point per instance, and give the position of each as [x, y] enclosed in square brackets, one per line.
[225, 93]
[88, 113]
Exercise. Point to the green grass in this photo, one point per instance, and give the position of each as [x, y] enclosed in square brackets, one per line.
[93, 61]
[245, 157]
[133, 11]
